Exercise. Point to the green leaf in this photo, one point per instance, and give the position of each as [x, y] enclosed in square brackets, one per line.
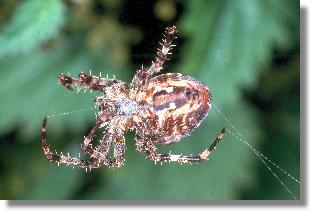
[33, 23]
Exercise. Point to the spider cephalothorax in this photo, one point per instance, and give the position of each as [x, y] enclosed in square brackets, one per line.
[161, 109]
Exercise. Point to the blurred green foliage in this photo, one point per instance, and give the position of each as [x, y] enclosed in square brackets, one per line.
[247, 52]
[33, 22]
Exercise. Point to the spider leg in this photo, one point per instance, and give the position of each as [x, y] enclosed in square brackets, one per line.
[144, 144]
[119, 152]
[143, 75]
[62, 159]
[110, 136]
[117, 128]
[166, 46]
[191, 159]
[86, 145]
[86, 81]
[102, 151]
[182, 158]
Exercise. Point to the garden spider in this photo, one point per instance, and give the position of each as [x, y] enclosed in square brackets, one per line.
[161, 109]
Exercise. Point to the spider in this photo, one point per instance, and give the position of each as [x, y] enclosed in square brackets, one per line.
[161, 109]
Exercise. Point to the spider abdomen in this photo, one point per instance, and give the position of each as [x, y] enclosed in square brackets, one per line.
[179, 103]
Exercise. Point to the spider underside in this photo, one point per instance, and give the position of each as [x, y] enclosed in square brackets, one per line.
[161, 109]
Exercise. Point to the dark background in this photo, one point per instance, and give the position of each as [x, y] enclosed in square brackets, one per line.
[246, 52]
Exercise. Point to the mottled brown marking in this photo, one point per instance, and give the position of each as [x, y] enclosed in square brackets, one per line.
[191, 99]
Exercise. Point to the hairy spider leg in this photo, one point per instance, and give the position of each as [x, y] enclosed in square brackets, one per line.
[149, 149]
[119, 152]
[86, 81]
[101, 152]
[143, 75]
[62, 159]
[117, 127]
[166, 46]
[86, 146]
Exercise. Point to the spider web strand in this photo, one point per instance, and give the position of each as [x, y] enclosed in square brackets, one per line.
[262, 158]
[70, 112]
[261, 154]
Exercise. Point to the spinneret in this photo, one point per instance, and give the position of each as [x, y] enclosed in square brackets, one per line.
[161, 109]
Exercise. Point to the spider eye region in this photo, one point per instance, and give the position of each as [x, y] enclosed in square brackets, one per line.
[180, 103]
